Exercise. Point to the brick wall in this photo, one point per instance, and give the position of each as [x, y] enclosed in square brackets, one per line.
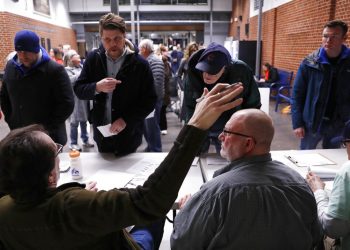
[11, 23]
[240, 8]
[293, 30]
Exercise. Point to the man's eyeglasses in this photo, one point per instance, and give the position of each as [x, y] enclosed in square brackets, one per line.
[227, 133]
[59, 149]
[344, 142]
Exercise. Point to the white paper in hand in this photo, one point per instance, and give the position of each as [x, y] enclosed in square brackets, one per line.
[151, 115]
[105, 130]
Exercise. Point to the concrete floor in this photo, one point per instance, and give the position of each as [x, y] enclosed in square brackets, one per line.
[283, 139]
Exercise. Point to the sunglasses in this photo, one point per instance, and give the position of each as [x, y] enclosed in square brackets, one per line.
[59, 148]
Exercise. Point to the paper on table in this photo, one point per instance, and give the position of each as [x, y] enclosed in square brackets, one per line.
[305, 160]
[105, 130]
[107, 179]
[324, 173]
[143, 169]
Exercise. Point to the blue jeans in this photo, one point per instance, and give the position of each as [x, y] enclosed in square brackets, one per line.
[152, 130]
[330, 132]
[149, 237]
[74, 132]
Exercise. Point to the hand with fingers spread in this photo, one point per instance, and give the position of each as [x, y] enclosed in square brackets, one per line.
[107, 85]
[214, 104]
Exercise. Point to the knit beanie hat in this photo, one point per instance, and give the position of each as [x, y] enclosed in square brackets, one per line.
[26, 40]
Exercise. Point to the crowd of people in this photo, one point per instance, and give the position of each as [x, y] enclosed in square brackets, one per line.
[252, 203]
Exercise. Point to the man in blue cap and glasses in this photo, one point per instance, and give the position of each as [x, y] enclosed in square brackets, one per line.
[36, 89]
[210, 66]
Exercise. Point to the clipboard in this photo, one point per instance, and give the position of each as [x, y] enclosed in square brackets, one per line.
[305, 160]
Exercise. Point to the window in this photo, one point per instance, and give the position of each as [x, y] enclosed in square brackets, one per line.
[42, 6]
[256, 4]
[42, 42]
[48, 42]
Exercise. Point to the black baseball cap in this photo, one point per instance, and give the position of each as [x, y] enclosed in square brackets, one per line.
[213, 59]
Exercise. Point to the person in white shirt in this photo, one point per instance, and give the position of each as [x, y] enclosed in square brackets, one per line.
[334, 210]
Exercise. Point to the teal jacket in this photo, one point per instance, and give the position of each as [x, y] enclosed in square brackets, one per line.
[72, 218]
[237, 71]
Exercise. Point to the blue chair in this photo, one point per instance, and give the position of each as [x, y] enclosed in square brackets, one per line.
[283, 88]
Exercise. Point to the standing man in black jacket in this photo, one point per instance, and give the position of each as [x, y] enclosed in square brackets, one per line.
[120, 82]
[36, 89]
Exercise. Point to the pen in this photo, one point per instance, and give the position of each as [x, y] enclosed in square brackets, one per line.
[227, 87]
[308, 169]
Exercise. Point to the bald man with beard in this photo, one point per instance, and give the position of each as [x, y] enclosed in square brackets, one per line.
[252, 203]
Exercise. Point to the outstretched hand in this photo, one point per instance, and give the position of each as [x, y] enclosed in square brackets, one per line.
[214, 104]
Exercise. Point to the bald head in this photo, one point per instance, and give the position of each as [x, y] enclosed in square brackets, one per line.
[257, 124]
[252, 134]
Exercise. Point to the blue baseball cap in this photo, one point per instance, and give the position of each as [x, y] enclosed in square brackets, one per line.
[26, 40]
[213, 59]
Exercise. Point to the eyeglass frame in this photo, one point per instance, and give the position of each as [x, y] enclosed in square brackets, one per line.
[224, 131]
[59, 149]
[344, 142]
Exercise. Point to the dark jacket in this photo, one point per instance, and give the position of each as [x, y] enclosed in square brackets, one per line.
[252, 203]
[273, 75]
[73, 218]
[311, 90]
[41, 95]
[237, 71]
[132, 100]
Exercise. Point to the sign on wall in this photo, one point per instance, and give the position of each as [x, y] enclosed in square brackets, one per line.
[42, 6]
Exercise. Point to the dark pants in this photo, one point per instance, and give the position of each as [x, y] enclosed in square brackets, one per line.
[330, 131]
[126, 142]
[152, 130]
[211, 140]
[163, 124]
